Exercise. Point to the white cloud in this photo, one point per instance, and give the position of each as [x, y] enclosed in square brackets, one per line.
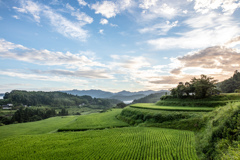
[204, 30]
[61, 24]
[66, 27]
[160, 29]
[185, 11]
[31, 76]
[44, 57]
[103, 21]
[106, 8]
[30, 7]
[82, 17]
[1, 18]
[155, 8]
[129, 62]
[16, 17]
[113, 25]
[228, 6]
[101, 31]
[82, 2]
[68, 6]
[110, 9]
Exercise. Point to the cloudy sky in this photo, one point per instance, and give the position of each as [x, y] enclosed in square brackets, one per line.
[116, 45]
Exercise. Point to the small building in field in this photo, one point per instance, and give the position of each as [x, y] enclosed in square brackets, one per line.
[8, 106]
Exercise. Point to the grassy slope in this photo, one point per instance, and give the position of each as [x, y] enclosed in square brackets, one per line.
[189, 120]
[213, 101]
[118, 143]
[32, 128]
[170, 108]
[96, 121]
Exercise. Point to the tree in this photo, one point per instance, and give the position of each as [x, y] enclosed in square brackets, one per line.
[203, 86]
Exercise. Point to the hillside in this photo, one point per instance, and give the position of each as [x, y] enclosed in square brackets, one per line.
[152, 98]
[231, 84]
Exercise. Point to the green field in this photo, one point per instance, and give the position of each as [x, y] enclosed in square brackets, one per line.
[95, 121]
[119, 143]
[171, 108]
[32, 128]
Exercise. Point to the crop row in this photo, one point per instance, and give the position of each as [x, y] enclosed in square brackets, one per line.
[95, 121]
[120, 143]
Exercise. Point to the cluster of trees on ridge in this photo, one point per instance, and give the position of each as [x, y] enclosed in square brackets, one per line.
[206, 86]
[198, 87]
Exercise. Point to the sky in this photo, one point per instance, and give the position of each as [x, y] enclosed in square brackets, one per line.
[115, 45]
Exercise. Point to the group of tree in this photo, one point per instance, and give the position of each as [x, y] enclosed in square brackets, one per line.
[232, 84]
[29, 115]
[55, 99]
[198, 88]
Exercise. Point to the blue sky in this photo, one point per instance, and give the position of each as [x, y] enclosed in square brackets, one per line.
[116, 45]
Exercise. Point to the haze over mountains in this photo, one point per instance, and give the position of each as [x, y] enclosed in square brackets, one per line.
[123, 95]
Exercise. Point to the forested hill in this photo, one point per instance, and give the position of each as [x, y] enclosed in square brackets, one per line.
[152, 98]
[55, 99]
[230, 85]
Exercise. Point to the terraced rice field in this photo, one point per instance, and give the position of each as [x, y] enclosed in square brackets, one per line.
[171, 108]
[118, 143]
[95, 121]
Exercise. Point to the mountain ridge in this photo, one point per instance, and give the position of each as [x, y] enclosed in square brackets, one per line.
[122, 95]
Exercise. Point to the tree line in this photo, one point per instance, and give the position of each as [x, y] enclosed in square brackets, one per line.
[29, 115]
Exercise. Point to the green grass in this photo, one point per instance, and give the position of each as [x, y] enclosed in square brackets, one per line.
[95, 121]
[213, 101]
[170, 108]
[32, 128]
[118, 143]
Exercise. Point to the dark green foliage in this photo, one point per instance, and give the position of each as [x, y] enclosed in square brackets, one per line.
[56, 99]
[121, 105]
[152, 98]
[29, 115]
[232, 84]
[197, 87]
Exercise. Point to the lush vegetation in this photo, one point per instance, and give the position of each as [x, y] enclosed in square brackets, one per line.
[32, 128]
[232, 84]
[162, 118]
[170, 108]
[220, 135]
[152, 98]
[95, 121]
[119, 143]
[56, 99]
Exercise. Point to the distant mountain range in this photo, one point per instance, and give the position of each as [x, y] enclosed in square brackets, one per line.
[123, 95]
